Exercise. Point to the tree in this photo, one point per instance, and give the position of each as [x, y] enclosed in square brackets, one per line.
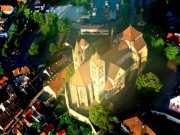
[68, 22]
[36, 126]
[34, 49]
[69, 72]
[171, 52]
[27, 13]
[45, 29]
[148, 83]
[53, 48]
[62, 27]
[51, 18]
[78, 2]
[177, 60]
[101, 118]
[13, 31]
[1, 13]
[159, 43]
[1, 70]
[38, 17]
[4, 52]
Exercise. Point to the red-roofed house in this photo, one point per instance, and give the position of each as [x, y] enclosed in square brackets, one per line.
[47, 128]
[7, 9]
[62, 132]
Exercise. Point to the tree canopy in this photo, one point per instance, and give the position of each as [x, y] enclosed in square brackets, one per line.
[171, 52]
[148, 83]
[1, 70]
[74, 127]
[177, 60]
[78, 2]
[27, 13]
[159, 43]
[38, 17]
[53, 48]
[34, 49]
[102, 118]
[69, 72]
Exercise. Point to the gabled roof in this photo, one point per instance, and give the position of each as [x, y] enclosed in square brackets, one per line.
[81, 77]
[127, 63]
[112, 70]
[108, 84]
[24, 70]
[137, 127]
[139, 44]
[83, 42]
[6, 8]
[114, 54]
[130, 34]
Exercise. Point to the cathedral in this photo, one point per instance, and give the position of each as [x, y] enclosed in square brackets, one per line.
[102, 76]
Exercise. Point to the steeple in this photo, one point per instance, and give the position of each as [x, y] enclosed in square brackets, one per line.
[77, 48]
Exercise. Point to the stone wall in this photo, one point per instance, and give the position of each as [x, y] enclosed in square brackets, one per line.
[78, 116]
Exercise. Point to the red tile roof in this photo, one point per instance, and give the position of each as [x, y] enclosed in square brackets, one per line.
[62, 132]
[47, 127]
[6, 8]
[130, 34]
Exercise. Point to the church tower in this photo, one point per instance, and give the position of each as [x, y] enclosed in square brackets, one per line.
[97, 74]
[78, 56]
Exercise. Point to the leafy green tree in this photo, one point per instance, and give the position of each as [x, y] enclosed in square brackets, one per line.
[53, 48]
[34, 49]
[27, 13]
[1, 13]
[68, 22]
[171, 52]
[38, 17]
[36, 126]
[74, 127]
[51, 18]
[1, 70]
[13, 31]
[126, 10]
[69, 72]
[4, 52]
[159, 43]
[78, 2]
[148, 83]
[177, 60]
[62, 27]
[45, 29]
[101, 118]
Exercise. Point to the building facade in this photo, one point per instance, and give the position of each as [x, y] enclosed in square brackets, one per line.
[102, 76]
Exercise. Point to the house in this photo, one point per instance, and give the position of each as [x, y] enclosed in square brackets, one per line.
[10, 112]
[39, 6]
[23, 1]
[45, 95]
[94, 30]
[175, 104]
[141, 19]
[173, 38]
[48, 128]
[137, 127]
[21, 71]
[5, 27]
[3, 81]
[7, 9]
[61, 132]
[103, 76]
